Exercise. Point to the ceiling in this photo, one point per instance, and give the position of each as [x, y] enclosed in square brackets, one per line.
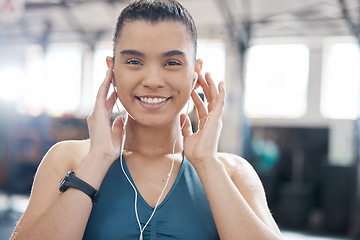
[90, 21]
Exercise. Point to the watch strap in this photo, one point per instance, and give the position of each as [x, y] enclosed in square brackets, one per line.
[73, 181]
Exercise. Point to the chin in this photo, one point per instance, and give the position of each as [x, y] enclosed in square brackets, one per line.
[156, 120]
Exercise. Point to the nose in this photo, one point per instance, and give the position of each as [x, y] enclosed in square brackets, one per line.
[153, 78]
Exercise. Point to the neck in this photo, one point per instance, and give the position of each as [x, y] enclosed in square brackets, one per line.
[153, 141]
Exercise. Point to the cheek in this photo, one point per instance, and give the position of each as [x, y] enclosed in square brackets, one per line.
[184, 93]
[123, 93]
[123, 87]
[122, 80]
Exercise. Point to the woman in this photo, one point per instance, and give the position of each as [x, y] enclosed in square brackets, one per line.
[161, 184]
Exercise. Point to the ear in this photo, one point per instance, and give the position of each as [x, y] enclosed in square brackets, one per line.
[110, 62]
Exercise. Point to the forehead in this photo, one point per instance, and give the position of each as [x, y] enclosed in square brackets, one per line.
[154, 38]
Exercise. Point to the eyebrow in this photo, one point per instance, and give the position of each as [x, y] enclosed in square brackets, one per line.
[166, 54]
[132, 52]
[174, 53]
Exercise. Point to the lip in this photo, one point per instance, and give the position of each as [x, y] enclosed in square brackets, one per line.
[152, 106]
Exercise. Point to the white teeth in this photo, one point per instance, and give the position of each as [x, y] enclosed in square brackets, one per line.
[152, 100]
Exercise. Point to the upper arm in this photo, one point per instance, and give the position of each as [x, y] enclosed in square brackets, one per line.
[51, 170]
[249, 185]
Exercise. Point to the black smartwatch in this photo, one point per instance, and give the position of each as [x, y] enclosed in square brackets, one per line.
[70, 180]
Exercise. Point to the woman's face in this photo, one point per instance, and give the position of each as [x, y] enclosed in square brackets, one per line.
[154, 68]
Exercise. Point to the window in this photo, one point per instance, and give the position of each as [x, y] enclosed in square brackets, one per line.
[33, 98]
[11, 83]
[340, 82]
[62, 85]
[212, 52]
[276, 81]
[53, 81]
[48, 82]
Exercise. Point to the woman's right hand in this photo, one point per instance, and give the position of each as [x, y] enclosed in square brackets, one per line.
[105, 140]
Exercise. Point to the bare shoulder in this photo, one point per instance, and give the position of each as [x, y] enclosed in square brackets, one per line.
[249, 185]
[60, 158]
[66, 154]
[237, 166]
[243, 175]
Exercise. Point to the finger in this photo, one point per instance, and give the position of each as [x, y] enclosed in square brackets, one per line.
[212, 86]
[213, 92]
[200, 109]
[199, 105]
[110, 102]
[104, 88]
[118, 125]
[220, 103]
[204, 86]
[186, 130]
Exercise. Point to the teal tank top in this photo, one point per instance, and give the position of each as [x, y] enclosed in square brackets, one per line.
[184, 214]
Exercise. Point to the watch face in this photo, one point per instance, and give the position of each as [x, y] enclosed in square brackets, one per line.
[63, 186]
[65, 183]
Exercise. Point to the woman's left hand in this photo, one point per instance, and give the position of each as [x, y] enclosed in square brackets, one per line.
[202, 146]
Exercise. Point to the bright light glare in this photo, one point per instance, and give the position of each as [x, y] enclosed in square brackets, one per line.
[11, 84]
[34, 96]
[340, 83]
[276, 81]
[62, 88]
[213, 55]
[53, 81]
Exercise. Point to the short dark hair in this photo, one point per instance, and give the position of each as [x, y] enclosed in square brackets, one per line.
[155, 11]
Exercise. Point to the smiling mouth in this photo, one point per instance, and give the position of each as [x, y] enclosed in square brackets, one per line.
[149, 100]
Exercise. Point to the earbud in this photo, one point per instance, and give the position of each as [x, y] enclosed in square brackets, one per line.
[196, 76]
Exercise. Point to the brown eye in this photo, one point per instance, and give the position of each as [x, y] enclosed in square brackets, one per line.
[133, 62]
[173, 63]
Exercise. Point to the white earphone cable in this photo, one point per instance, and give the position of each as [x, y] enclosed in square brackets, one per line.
[127, 177]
